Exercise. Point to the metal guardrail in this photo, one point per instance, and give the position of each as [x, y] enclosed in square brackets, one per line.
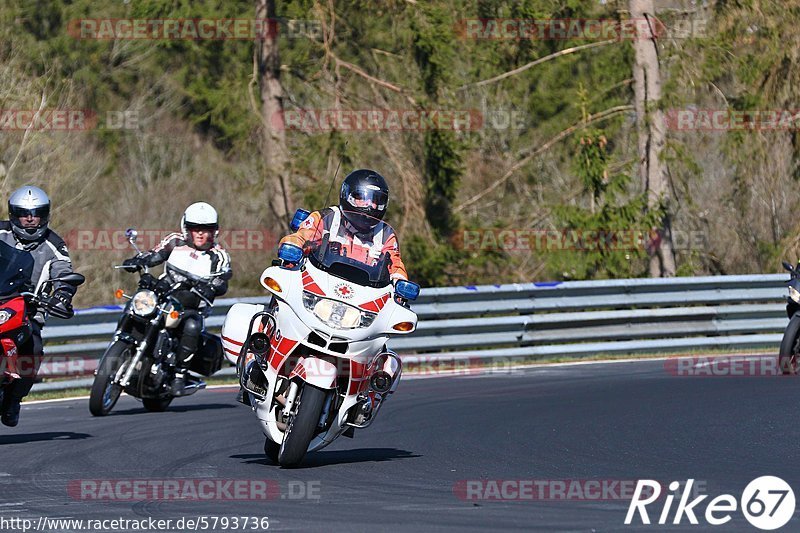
[535, 320]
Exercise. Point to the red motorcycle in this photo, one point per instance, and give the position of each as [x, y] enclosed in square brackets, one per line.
[17, 306]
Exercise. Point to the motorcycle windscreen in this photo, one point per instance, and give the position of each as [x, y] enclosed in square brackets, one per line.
[344, 252]
[16, 269]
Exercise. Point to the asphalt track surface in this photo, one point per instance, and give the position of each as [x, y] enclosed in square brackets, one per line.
[619, 421]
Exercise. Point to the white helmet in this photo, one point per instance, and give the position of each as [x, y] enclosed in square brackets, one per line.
[29, 201]
[199, 214]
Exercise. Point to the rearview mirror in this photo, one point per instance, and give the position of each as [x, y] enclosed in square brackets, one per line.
[131, 234]
[788, 266]
[72, 278]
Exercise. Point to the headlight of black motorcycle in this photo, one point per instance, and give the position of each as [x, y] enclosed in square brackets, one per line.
[144, 303]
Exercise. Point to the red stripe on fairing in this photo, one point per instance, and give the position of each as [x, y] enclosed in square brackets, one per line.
[376, 305]
[232, 352]
[237, 343]
[299, 371]
[310, 285]
[357, 370]
[276, 361]
[280, 351]
[356, 385]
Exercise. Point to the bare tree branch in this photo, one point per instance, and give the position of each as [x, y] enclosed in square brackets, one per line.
[539, 61]
[546, 146]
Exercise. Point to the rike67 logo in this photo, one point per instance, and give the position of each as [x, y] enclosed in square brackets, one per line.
[767, 503]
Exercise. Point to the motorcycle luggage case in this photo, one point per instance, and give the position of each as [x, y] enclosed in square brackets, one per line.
[235, 329]
[208, 358]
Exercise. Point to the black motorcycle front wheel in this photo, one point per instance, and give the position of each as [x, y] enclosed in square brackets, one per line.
[301, 426]
[156, 405]
[790, 347]
[105, 392]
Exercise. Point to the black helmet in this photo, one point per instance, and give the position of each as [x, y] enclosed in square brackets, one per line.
[364, 198]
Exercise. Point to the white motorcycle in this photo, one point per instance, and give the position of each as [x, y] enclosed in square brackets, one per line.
[313, 363]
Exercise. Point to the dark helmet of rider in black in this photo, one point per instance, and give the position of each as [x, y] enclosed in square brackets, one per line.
[363, 199]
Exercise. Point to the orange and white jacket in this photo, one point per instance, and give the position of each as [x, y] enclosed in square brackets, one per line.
[366, 248]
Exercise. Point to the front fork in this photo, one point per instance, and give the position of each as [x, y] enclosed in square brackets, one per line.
[141, 349]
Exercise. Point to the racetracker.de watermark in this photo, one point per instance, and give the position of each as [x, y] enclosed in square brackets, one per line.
[576, 240]
[368, 120]
[550, 490]
[192, 489]
[114, 239]
[434, 365]
[67, 120]
[722, 120]
[192, 29]
[724, 366]
[559, 29]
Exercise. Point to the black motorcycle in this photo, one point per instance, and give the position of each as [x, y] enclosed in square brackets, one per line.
[790, 345]
[141, 359]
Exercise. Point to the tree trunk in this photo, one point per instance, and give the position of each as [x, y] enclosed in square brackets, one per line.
[273, 143]
[651, 127]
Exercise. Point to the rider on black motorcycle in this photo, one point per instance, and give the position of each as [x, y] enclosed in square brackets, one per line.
[200, 227]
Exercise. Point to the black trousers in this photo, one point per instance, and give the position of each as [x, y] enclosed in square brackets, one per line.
[191, 328]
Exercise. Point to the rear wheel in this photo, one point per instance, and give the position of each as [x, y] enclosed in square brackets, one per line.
[790, 347]
[105, 392]
[302, 425]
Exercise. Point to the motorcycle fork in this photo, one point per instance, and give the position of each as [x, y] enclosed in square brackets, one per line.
[140, 351]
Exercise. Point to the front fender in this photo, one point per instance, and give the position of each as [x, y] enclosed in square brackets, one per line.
[315, 371]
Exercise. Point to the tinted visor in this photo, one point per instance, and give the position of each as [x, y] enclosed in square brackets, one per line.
[16, 213]
[202, 227]
[366, 198]
[22, 212]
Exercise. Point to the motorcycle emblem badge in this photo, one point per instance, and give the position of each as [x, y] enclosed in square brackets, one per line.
[344, 290]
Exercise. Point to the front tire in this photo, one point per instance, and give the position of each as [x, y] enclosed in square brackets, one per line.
[790, 347]
[156, 405]
[105, 393]
[271, 450]
[302, 425]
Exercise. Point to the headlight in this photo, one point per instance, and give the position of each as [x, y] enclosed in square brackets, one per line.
[794, 294]
[144, 303]
[5, 315]
[337, 314]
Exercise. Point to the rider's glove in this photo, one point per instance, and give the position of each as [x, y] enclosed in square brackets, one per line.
[62, 301]
[133, 264]
[205, 290]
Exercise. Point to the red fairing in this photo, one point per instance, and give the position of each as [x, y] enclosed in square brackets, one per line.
[281, 347]
[9, 359]
[17, 309]
[310, 285]
[376, 305]
[359, 378]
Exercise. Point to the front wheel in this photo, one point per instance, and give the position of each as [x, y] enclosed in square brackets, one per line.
[790, 347]
[105, 392]
[302, 425]
[156, 405]
[271, 450]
